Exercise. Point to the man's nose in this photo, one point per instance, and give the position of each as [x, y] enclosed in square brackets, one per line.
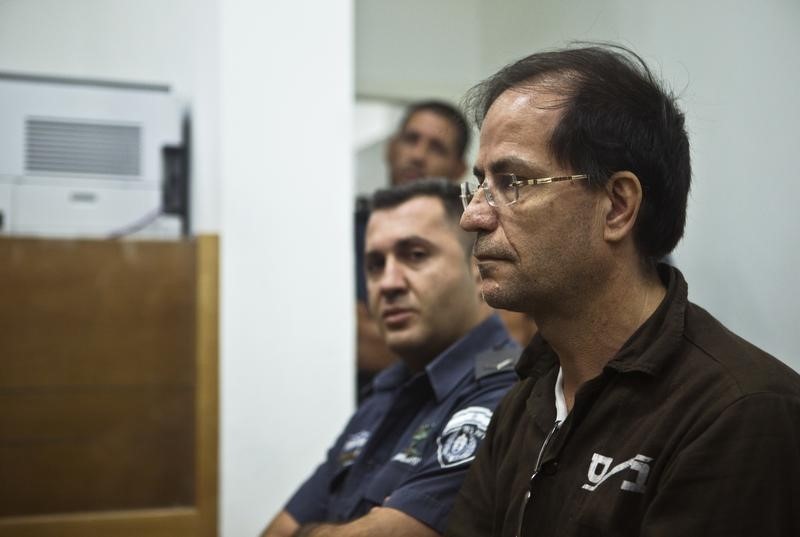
[479, 215]
[419, 151]
[392, 279]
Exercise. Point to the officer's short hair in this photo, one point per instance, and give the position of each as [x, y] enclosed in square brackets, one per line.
[445, 191]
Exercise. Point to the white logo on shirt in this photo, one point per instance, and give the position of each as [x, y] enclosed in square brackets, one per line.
[600, 470]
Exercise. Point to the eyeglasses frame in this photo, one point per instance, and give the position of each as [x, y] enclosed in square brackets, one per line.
[516, 182]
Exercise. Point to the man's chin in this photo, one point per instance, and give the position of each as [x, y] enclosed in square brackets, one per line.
[495, 295]
[401, 342]
[409, 176]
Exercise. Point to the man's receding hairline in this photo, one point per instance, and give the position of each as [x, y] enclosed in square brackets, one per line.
[450, 122]
[560, 83]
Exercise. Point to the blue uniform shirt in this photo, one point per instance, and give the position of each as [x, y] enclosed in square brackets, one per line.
[409, 444]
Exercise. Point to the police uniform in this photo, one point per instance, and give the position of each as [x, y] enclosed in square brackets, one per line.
[409, 444]
[688, 430]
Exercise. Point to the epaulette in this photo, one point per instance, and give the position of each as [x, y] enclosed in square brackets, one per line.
[496, 360]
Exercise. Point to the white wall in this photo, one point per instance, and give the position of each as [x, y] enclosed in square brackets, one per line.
[734, 64]
[416, 49]
[270, 89]
[287, 347]
[374, 123]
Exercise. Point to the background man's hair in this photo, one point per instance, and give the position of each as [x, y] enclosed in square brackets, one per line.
[615, 116]
[445, 191]
[448, 112]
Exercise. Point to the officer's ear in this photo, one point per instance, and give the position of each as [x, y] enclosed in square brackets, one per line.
[623, 198]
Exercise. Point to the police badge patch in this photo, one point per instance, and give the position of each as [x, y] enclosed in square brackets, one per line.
[352, 448]
[459, 440]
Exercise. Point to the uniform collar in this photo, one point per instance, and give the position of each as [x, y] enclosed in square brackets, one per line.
[458, 361]
[455, 363]
[648, 348]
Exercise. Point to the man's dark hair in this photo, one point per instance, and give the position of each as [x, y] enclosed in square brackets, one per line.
[615, 116]
[446, 191]
[448, 112]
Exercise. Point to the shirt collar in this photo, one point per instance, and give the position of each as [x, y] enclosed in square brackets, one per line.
[458, 361]
[648, 348]
[455, 363]
[561, 402]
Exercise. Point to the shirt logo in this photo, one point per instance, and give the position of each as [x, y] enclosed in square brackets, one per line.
[459, 440]
[352, 448]
[413, 453]
[601, 469]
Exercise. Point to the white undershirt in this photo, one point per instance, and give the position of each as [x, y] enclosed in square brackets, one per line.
[561, 402]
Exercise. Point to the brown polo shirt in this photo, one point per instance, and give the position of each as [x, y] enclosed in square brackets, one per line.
[689, 430]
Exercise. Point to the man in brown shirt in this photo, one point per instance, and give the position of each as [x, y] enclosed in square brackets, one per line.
[638, 413]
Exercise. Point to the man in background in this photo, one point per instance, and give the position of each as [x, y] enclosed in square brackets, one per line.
[398, 464]
[431, 141]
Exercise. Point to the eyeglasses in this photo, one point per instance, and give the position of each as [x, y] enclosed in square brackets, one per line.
[503, 189]
[526, 498]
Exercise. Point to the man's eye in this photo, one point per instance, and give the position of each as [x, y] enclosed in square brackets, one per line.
[439, 149]
[417, 255]
[409, 138]
[504, 182]
[373, 266]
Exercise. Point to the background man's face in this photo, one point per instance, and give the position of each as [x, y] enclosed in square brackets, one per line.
[420, 283]
[425, 147]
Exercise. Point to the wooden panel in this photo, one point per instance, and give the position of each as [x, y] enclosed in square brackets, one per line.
[207, 407]
[96, 449]
[96, 312]
[108, 387]
[180, 522]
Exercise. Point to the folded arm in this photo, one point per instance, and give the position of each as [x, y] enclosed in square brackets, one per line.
[380, 521]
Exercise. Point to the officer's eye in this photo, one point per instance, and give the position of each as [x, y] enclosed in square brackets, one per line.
[417, 254]
[373, 264]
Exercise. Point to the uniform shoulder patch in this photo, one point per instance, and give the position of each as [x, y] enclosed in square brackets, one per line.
[352, 447]
[459, 440]
[496, 360]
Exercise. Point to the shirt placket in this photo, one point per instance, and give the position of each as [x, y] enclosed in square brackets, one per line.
[403, 414]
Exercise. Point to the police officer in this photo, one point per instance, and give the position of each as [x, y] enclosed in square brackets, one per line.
[398, 464]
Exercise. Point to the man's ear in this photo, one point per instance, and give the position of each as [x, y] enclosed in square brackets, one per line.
[624, 198]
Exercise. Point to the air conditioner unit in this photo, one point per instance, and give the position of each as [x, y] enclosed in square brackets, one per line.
[88, 158]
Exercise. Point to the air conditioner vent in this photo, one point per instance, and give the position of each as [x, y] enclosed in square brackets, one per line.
[59, 146]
